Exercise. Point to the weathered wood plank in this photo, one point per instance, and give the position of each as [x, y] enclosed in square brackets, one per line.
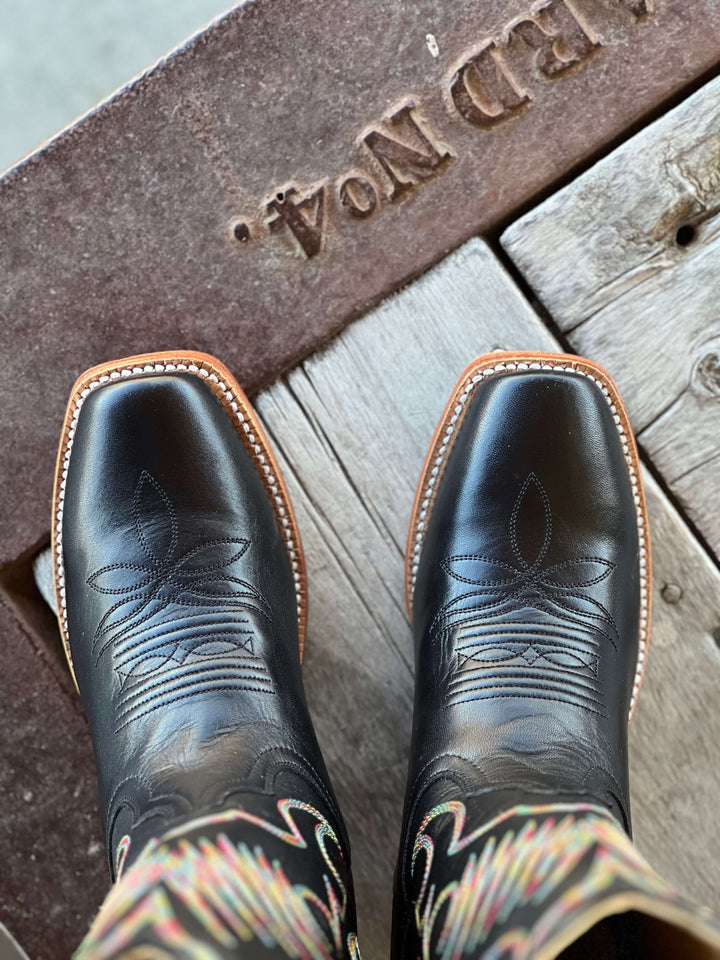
[42, 571]
[351, 427]
[603, 256]
[675, 734]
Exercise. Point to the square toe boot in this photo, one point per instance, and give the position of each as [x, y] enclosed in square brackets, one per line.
[528, 582]
[181, 586]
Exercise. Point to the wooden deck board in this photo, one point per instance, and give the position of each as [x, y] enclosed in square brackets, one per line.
[351, 426]
[675, 734]
[603, 256]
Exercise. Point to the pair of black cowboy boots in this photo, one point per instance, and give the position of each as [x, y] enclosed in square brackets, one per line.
[183, 604]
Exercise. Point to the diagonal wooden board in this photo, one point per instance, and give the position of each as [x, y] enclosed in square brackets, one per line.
[603, 256]
[351, 426]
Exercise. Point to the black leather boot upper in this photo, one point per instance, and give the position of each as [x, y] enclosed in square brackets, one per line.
[525, 608]
[182, 614]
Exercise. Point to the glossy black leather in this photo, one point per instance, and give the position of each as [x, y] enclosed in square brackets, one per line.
[182, 615]
[525, 612]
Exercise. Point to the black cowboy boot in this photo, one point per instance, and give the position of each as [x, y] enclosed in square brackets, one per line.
[528, 583]
[181, 585]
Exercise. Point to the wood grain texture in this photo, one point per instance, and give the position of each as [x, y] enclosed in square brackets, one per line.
[675, 734]
[603, 256]
[351, 427]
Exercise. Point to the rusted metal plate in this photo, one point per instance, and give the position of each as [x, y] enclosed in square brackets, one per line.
[253, 192]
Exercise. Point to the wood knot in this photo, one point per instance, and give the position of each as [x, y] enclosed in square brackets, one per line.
[706, 375]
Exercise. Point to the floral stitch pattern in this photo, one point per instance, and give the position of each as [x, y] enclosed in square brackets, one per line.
[177, 621]
[501, 644]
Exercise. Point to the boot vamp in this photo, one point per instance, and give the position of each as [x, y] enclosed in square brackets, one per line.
[181, 603]
[527, 595]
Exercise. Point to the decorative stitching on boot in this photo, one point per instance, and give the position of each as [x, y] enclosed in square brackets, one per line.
[160, 663]
[307, 771]
[509, 886]
[229, 399]
[499, 652]
[446, 443]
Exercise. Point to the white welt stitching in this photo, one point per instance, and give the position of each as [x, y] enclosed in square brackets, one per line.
[430, 489]
[221, 390]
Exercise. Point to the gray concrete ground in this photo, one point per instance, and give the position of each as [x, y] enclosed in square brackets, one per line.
[57, 60]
